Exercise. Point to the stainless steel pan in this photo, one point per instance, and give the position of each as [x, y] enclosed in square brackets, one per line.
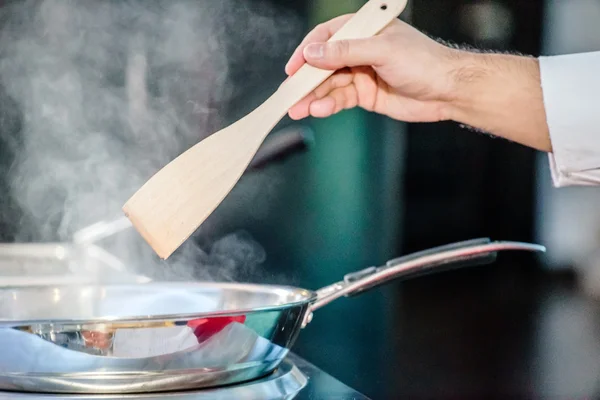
[162, 336]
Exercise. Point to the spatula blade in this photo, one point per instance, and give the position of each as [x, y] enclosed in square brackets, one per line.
[173, 203]
[170, 206]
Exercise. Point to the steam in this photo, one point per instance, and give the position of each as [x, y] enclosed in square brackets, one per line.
[96, 96]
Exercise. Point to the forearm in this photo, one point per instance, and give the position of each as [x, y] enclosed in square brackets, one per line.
[500, 94]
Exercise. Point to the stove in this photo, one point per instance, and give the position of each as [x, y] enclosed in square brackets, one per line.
[295, 379]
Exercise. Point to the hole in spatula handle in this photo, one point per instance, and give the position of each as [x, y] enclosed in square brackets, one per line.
[383, 7]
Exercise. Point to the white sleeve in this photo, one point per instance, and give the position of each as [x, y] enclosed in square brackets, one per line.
[571, 90]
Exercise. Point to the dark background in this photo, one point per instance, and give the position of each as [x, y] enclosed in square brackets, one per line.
[372, 189]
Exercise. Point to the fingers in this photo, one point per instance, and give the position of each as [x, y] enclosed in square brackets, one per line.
[338, 100]
[340, 79]
[323, 108]
[346, 53]
[301, 109]
[332, 102]
[321, 33]
[335, 55]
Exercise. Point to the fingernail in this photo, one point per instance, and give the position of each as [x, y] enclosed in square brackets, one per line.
[314, 51]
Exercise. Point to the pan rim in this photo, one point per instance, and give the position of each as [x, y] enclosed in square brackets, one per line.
[306, 297]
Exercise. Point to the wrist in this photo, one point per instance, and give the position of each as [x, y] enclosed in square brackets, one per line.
[470, 73]
[479, 79]
[500, 94]
[467, 75]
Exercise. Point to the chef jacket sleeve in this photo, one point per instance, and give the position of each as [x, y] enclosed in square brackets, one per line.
[571, 92]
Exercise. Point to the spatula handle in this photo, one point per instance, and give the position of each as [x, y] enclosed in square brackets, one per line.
[372, 18]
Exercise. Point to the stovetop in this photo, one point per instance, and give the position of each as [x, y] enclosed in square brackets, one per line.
[295, 379]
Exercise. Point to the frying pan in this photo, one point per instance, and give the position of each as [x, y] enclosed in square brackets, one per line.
[156, 337]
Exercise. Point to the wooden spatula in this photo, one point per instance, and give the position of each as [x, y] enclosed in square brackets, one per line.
[175, 201]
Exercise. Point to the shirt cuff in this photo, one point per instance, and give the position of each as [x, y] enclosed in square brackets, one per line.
[564, 177]
[571, 91]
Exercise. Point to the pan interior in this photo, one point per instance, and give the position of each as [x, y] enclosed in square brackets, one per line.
[151, 300]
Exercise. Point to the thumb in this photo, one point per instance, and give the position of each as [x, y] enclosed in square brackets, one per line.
[345, 53]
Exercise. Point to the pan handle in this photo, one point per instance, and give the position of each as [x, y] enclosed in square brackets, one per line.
[443, 258]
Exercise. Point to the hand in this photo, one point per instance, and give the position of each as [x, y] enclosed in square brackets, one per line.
[398, 73]
[405, 75]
